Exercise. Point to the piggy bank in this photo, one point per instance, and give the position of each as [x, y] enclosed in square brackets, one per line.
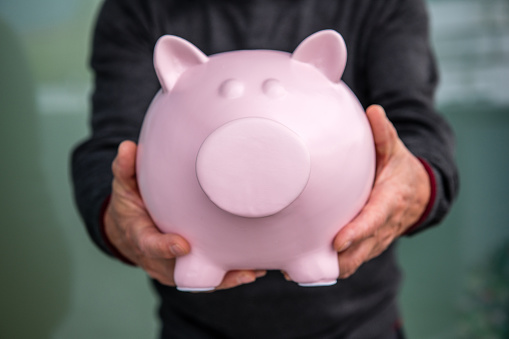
[256, 157]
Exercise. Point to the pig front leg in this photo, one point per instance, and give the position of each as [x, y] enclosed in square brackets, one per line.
[194, 273]
[319, 268]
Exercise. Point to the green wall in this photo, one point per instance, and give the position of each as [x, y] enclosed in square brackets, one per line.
[55, 284]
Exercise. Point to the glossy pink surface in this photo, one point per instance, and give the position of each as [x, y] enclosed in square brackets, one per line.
[257, 158]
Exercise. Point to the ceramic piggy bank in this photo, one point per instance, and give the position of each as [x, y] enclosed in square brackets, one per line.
[256, 157]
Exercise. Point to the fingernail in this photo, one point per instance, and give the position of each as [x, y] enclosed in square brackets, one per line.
[260, 273]
[177, 250]
[345, 246]
[245, 279]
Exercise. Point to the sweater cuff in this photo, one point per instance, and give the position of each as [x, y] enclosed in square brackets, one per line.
[109, 245]
[432, 198]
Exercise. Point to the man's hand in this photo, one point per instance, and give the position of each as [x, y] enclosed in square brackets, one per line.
[130, 229]
[399, 197]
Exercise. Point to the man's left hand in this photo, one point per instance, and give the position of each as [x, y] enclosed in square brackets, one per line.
[399, 197]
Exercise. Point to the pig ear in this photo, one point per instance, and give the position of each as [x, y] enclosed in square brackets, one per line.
[172, 57]
[325, 50]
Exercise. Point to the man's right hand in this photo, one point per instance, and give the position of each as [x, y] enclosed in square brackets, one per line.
[130, 229]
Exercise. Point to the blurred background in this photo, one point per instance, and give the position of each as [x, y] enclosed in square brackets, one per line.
[55, 284]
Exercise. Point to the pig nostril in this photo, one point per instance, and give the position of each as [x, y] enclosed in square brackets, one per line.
[231, 89]
[253, 167]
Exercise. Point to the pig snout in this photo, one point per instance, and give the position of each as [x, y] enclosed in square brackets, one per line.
[253, 167]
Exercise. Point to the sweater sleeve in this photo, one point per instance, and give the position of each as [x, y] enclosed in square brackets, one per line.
[401, 76]
[125, 83]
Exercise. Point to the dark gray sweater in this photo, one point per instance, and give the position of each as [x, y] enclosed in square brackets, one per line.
[389, 63]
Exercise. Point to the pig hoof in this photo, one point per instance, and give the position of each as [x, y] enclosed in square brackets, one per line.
[319, 283]
[195, 289]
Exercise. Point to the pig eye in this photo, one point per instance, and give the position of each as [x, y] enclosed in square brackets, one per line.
[231, 89]
[273, 88]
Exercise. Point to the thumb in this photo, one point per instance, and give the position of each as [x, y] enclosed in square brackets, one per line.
[124, 165]
[384, 133]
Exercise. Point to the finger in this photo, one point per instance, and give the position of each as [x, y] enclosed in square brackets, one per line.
[240, 277]
[286, 276]
[373, 215]
[351, 259]
[377, 210]
[161, 270]
[124, 165]
[384, 133]
[154, 244]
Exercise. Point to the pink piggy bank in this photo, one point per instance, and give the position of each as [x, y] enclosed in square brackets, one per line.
[257, 157]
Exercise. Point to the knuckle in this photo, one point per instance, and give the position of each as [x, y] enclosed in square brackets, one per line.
[385, 235]
[160, 248]
[148, 246]
[400, 202]
[142, 248]
[134, 242]
[156, 246]
[380, 219]
[138, 253]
